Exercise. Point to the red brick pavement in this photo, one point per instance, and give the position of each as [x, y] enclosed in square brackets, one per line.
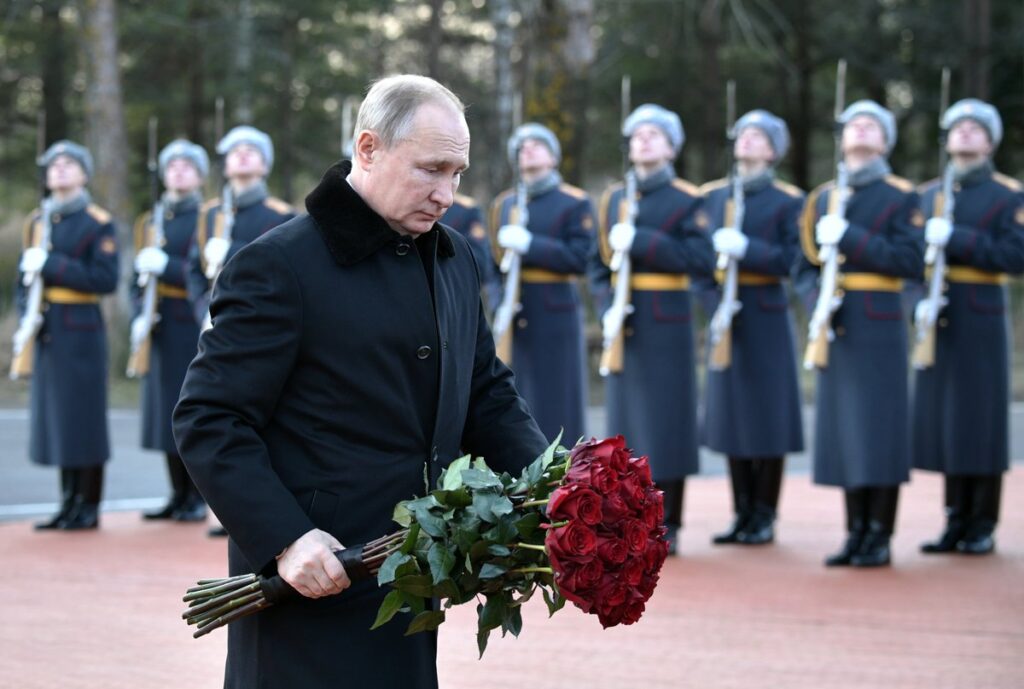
[101, 611]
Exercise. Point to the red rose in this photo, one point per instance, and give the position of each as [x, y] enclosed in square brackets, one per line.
[641, 468]
[655, 552]
[611, 592]
[654, 508]
[598, 476]
[635, 533]
[569, 586]
[632, 492]
[647, 584]
[615, 510]
[572, 541]
[612, 550]
[575, 501]
[610, 452]
[633, 571]
[590, 573]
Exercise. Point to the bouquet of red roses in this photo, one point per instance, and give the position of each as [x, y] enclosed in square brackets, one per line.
[581, 525]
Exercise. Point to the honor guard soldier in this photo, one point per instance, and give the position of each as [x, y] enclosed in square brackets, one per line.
[652, 400]
[752, 404]
[69, 371]
[244, 212]
[862, 433]
[465, 217]
[961, 400]
[548, 350]
[162, 253]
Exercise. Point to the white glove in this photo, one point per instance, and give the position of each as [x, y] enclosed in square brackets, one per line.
[937, 231]
[924, 314]
[216, 250]
[33, 259]
[830, 229]
[607, 321]
[23, 336]
[515, 238]
[151, 260]
[140, 330]
[621, 236]
[731, 242]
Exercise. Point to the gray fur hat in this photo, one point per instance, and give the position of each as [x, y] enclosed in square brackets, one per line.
[181, 148]
[532, 130]
[773, 127]
[979, 111]
[873, 109]
[666, 120]
[245, 134]
[68, 148]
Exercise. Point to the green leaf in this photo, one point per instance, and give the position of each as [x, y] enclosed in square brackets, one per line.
[498, 549]
[493, 612]
[386, 573]
[428, 521]
[527, 526]
[417, 584]
[481, 640]
[410, 540]
[441, 561]
[416, 603]
[451, 478]
[513, 621]
[554, 601]
[491, 570]
[401, 515]
[426, 621]
[484, 504]
[391, 604]
[450, 590]
[504, 531]
[480, 479]
[466, 532]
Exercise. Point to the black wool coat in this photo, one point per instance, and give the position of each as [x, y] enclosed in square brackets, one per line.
[330, 387]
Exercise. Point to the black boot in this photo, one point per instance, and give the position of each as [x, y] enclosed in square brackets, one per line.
[179, 485]
[674, 491]
[986, 494]
[68, 488]
[957, 506]
[86, 511]
[874, 549]
[192, 507]
[760, 529]
[856, 525]
[741, 476]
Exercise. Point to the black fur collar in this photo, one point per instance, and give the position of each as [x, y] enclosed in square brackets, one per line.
[352, 230]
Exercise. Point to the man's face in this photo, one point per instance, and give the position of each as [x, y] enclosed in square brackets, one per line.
[968, 137]
[753, 145]
[649, 146]
[864, 133]
[181, 176]
[535, 157]
[245, 160]
[413, 183]
[65, 174]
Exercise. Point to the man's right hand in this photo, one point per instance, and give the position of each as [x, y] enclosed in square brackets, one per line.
[310, 566]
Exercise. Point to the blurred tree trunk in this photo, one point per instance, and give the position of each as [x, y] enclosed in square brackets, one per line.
[504, 96]
[712, 94]
[243, 64]
[433, 40]
[977, 48]
[54, 49]
[801, 120]
[579, 55]
[105, 125]
[283, 135]
[197, 105]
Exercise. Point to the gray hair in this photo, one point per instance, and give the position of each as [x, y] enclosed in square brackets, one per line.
[391, 104]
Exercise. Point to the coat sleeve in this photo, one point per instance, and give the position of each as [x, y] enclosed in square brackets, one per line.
[568, 252]
[1002, 250]
[230, 393]
[896, 250]
[777, 257]
[95, 270]
[685, 247]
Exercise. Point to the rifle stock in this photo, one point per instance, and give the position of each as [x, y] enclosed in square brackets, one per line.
[721, 352]
[612, 356]
[816, 354]
[924, 349]
[138, 361]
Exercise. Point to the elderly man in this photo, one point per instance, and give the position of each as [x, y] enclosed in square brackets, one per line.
[182, 166]
[752, 406]
[653, 400]
[862, 429]
[349, 361]
[69, 380]
[961, 403]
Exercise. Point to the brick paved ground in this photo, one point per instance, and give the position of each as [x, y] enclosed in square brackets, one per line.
[101, 610]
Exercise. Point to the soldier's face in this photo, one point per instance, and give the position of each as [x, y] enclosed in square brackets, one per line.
[753, 145]
[413, 183]
[245, 160]
[650, 146]
[968, 137]
[65, 174]
[535, 157]
[181, 176]
[864, 133]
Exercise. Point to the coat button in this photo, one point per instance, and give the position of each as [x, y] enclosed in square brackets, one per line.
[521, 323]
[433, 454]
[46, 337]
[423, 352]
[840, 331]
[943, 322]
[402, 249]
[628, 332]
[55, 218]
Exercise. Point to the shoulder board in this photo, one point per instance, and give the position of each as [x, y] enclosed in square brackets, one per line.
[98, 214]
[140, 230]
[467, 201]
[788, 189]
[687, 187]
[208, 204]
[572, 191]
[1008, 182]
[711, 186]
[904, 185]
[28, 229]
[277, 205]
[925, 186]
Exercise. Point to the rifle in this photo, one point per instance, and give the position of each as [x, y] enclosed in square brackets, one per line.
[924, 344]
[24, 340]
[227, 212]
[820, 326]
[138, 360]
[721, 321]
[511, 266]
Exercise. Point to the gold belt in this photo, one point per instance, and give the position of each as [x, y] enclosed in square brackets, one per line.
[969, 274]
[171, 292]
[63, 295]
[869, 282]
[749, 279]
[657, 282]
[539, 275]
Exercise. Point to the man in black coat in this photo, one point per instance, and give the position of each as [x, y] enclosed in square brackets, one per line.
[348, 362]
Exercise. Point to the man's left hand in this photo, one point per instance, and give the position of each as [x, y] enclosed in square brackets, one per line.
[310, 566]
